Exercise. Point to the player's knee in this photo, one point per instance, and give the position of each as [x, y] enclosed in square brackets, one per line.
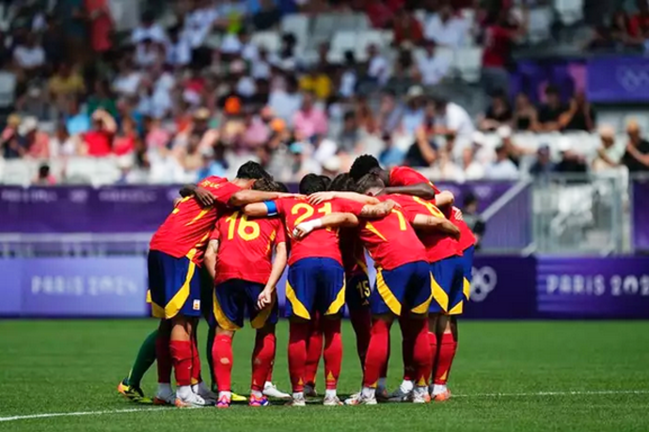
[298, 320]
[223, 332]
[387, 317]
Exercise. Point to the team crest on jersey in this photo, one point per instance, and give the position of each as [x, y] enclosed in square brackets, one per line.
[197, 305]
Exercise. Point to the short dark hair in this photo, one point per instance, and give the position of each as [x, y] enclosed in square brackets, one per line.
[312, 183]
[469, 199]
[342, 183]
[369, 181]
[281, 187]
[265, 185]
[252, 171]
[326, 180]
[362, 166]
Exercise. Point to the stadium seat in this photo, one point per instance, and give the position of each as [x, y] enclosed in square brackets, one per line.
[18, 172]
[365, 39]
[106, 172]
[540, 24]
[213, 41]
[420, 14]
[271, 40]
[468, 62]
[570, 11]
[80, 170]
[298, 26]
[342, 41]
[7, 89]
[325, 25]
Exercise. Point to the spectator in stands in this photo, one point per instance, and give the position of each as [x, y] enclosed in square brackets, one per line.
[324, 149]
[571, 161]
[148, 29]
[619, 31]
[29, 57]
[377, 66]
[390, 112]
[473, 219]
[62, 144]
[53, 41]
[473, 169]
[446, 29]
[102, 97]
[391, 155]
[580, 115]
[285, 103]
[525, 117]
[432, 68]
[268, 15]
[349, 137]
[446, 168]
[99, 140]
[100, 24]
[639, 23]
[126, 139]
[214, 163]
[451, 119]
[402, 79]
[348, 77]
[44, 176]
[636, 156]
[543, 165]
[498, 39]
[77, 122]
[178, 49]
[406, 28]
[127, 81]
[498, 114]
[424, 152]
[310, 120]
[318, 82]
[413, 114]
[608, 153]
[65, 84]
[11, 144]
[379, 13]
[34, 141]
[502, 168]
[551, 111]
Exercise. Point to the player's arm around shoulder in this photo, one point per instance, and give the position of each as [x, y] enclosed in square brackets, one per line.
[434, 223]
[210, 256]
[332, 220]
[245, 197]
[265, 298]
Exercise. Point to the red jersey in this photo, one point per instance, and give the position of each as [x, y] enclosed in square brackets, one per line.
[392, 241]
[246, 246]
[321, 243]
[467, 239]
[438, 245]
[353, 253]
[405, 176]
[186, 230]
[497, 43]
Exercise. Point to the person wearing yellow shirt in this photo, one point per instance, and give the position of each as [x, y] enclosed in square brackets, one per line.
[318, 83]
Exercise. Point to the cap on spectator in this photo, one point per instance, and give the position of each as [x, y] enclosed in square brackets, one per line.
[478, 138]
[28, 125]
[504, 132]
[13, 120]
[202, 114]
[415, 92]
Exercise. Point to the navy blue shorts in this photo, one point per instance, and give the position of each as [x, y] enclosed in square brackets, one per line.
[233, 297]
[407, 287]
[175, 286]
[357, 292]
[315, 285]
[448, 283]
[467, 263]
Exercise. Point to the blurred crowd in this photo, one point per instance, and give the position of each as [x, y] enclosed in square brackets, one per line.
[168, 104]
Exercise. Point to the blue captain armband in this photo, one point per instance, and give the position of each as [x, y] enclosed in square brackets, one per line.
[271, 207]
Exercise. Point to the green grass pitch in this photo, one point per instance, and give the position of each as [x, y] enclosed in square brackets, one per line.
[598, 373]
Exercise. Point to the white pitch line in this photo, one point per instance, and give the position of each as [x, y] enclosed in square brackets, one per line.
[477, 395]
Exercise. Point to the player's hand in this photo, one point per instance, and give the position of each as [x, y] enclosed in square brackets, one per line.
[390, 204]
[302, 230]
[320, 197]
[265, 298]
[457, 213]
[204, 197]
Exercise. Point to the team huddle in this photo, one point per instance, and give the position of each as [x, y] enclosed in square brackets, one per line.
[221, 253]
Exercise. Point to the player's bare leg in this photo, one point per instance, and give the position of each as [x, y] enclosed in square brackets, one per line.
[299, 330]
[222, 358]
[180, 344]
[263, 336]
[165, 394]
[333, 353]
[375, 360]
[446, 348]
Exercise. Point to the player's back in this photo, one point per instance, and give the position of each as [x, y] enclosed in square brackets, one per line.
[391, 241]
[187, 229]
[438, 245]
[320, 243]
[246, 246]
[353, 253]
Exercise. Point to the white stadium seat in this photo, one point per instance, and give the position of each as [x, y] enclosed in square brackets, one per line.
[570, 11]
[19, 171]
[468, 62]
[342, 41]
[271, 40]
[79, 170]
[7, 89]
[367, 38]
[298, 25]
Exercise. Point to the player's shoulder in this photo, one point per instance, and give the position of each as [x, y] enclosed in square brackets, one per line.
[213, 182]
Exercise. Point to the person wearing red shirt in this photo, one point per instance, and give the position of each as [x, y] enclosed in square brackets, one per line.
[245, 277]
[175, 252]
[316, 280]
[639, 23]
[99, 141]
[407, 28]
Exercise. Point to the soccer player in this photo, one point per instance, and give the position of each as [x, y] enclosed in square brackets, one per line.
[245, 277]
[175, 252]
[316, 281]
[403, 287]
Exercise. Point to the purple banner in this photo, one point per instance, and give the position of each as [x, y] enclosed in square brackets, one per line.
[60, 287]
[640, 214]
[129, 209]
[593, 287]
[618, 79]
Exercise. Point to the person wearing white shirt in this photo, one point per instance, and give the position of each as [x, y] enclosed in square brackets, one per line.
[503, 168]
[128, 80]
[445, 29]
[199, 22]
[286, 102]
[148, 29]
[260, 68]
[452, 119]
[473, 170]
[30, 55]
[431, 67]
[179, 50]
[377, 67]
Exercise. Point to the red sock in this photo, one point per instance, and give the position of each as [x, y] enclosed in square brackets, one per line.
[422, 357]
[163, 358]
[222, 358]
[333, 352]
[377, 353]
[181, 357]
[447, 348]
[314, 352]
[409, 333]
[262, 359]
[384, 369]
[432, 342]
[196, 364]
[362, 323]
[298, 334]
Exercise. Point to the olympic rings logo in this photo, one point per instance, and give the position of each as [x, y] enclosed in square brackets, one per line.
[632, 78]
[484, 280]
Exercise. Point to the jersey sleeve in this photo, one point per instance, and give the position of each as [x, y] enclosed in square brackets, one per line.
[405, 176]
[224, 192]
[348, 206]
[281, 232]
[215, 234]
